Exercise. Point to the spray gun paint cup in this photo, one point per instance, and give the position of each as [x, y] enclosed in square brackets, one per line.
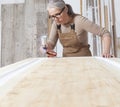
[43, 44]
[43, 41]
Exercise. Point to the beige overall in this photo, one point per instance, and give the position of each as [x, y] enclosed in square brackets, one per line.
[71, 45]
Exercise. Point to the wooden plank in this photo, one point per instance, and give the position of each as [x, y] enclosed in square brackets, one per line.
[114, 29]
[13, 73]
[0, 35]
[106, 16]
[81, 7]
[99, 10]
[67, 82]
[12, 67]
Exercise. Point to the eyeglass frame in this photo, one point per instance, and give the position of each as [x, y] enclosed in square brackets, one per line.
[57, 14]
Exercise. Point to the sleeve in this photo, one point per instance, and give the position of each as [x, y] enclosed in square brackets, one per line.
[53, 36]
[91, 27]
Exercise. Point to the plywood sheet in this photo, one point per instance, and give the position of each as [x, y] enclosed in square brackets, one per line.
[67, 82]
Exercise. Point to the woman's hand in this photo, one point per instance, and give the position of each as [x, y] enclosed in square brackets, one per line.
[107, 55]
[44, 51]
[50, 53]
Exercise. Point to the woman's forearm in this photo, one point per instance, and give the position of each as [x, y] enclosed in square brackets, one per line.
[106, 40]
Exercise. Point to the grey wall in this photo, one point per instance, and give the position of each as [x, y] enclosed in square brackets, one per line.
[22, 26]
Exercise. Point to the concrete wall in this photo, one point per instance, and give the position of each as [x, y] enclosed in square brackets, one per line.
[22, 27]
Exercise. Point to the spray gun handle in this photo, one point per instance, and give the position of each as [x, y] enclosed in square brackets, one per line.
[44, 47]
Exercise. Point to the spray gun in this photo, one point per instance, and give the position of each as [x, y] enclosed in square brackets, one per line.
[49, 53]
[43, 44]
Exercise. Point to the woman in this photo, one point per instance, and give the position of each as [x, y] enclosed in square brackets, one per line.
[72, 30]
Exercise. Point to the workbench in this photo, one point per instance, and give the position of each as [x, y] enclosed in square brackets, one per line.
[61, 82]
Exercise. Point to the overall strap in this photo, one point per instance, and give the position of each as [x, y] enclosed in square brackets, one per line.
[58, 27]
[72, 26]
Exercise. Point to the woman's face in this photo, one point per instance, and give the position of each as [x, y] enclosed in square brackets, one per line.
[59, 15]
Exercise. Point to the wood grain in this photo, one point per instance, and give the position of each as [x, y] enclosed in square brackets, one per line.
[67, 82]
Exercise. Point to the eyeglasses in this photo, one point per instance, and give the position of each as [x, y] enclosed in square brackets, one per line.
[57, 15]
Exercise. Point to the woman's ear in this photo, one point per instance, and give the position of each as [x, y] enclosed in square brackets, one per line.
[66, 9]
